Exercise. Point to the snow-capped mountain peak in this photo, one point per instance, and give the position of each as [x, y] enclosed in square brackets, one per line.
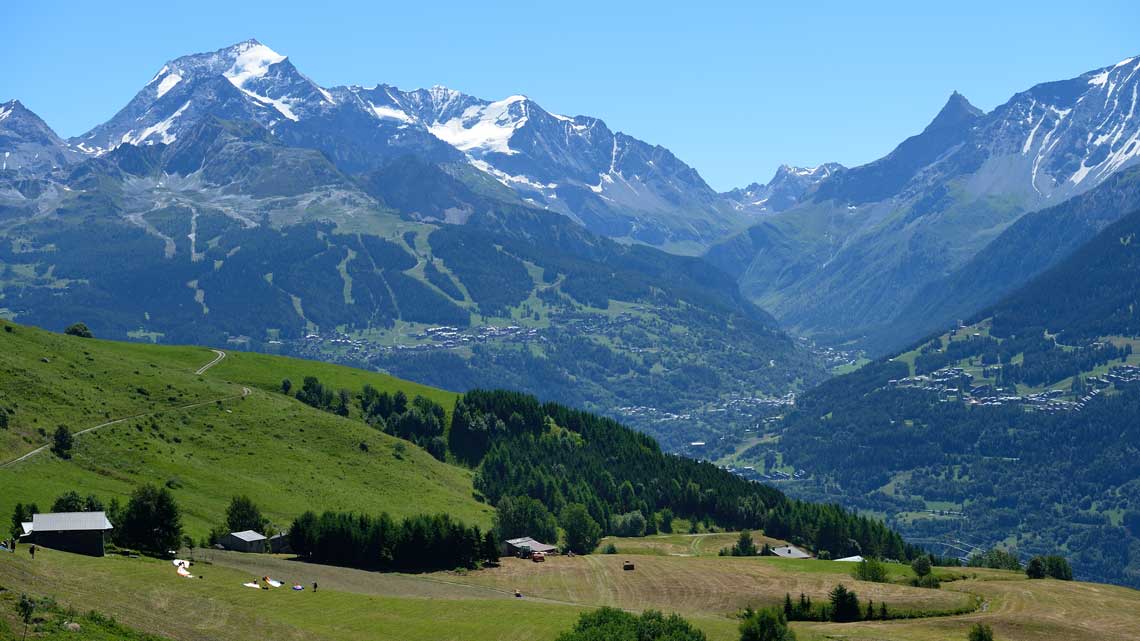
[252, 60]
[245, 81]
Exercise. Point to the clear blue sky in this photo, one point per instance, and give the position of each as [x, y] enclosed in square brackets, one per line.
[733, 88]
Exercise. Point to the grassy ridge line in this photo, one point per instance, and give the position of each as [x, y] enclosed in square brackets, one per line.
[266, 371]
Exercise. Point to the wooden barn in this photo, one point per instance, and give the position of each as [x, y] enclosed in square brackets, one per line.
[279, 544]
[79, 532]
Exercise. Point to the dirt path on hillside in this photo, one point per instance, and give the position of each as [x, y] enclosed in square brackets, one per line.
[245, 391]
[221, 355]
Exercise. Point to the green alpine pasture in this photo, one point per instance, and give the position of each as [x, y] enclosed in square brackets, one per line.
[207, 437]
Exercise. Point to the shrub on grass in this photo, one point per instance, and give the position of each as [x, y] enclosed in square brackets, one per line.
[765, 625]
[78, 329]
[870, 570]
[981, 632]
[921, 566]
[612, 624]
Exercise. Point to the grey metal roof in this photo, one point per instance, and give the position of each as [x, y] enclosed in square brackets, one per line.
[535, 546]
[70, 522]
[248, 535]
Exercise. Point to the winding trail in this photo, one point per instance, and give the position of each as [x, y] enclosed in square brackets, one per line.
[202, 369]
[245, 391]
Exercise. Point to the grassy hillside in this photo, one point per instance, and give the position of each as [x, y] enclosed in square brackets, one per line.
[201, 437]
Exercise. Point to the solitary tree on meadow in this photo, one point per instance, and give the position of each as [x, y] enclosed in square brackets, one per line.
[62, 442]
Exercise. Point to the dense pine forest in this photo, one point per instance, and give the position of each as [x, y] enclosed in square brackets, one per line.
[569, 459]
[562, 456]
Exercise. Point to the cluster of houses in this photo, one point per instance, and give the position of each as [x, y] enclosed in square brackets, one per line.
[1120, 375]
[948, 382]
[832, 357]
[433, 338]
[446, 337]
[749, 472]
[954, 384]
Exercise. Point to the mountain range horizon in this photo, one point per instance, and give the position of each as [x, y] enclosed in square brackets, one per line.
[953, 95]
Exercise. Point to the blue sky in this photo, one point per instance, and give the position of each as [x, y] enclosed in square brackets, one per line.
[733, 88]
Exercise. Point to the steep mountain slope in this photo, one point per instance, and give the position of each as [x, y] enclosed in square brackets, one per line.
[872, 237]
[1017, 428]
[1033, 244]
[1092, 293]
[614, 184]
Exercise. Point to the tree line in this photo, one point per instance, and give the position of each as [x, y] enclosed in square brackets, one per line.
[421, 543]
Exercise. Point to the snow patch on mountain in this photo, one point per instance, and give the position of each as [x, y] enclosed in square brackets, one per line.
[168, 83]
[513, 181]
[281, 106]
[391, 113]
[486, 128]
[162, 130]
